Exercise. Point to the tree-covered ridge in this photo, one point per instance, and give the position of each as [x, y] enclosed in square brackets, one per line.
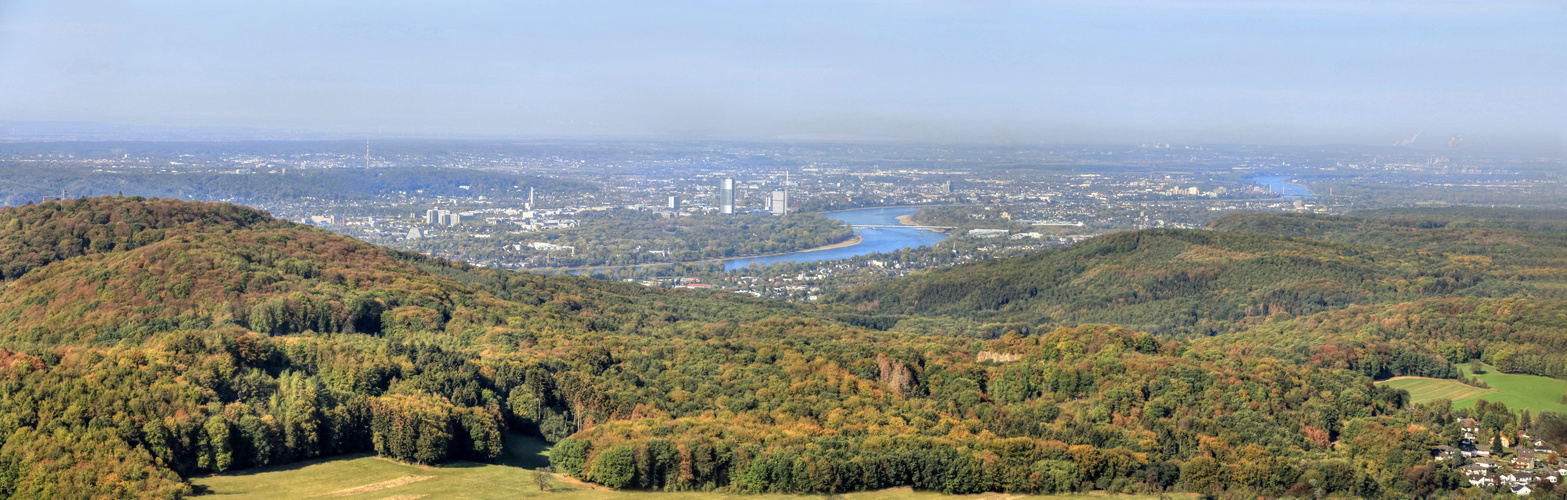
[1172, 281]
[1520, 257]
[35, 235]
[1515, 334]
[191, 269]
[1496, 231]
[275, 279]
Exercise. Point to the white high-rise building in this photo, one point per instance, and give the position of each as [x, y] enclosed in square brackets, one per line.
[726, 197]
[674, 203]
[432, 216]
[780, 202]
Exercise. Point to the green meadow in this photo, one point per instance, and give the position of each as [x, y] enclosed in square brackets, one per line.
[1516, 391]
[1423, 389]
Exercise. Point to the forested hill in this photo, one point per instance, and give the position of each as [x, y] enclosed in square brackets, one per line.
[148, 266]
[143, 326]
[100, 270]
[1407, 228]
[146, 341]
[1171, 281]
[34, 235]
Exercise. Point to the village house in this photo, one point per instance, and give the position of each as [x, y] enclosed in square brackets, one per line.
[1524, 460]
[1473, 450]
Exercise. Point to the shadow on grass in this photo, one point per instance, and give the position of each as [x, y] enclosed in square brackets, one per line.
[522, 451]
[293, 465]
[527, 452]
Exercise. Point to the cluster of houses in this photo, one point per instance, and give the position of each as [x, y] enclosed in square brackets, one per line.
[1529, 465]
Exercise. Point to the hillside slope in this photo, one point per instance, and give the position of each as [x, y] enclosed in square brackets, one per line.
[144, 329]
[1179, 282]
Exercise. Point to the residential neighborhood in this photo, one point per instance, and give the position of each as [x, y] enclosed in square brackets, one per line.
[1519, 469]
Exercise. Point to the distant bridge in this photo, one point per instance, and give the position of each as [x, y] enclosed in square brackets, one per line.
[861, 226]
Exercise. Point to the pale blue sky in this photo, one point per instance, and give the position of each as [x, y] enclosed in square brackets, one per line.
[1304, 72]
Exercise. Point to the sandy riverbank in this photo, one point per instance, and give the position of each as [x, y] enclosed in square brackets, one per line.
[907, 220]
[845, 243]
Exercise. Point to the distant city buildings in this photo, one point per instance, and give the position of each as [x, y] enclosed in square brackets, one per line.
[987, 233]
[551, 247]
[441, 218]
[674, 203]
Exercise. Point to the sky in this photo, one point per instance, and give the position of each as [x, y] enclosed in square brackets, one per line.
[1493, 73]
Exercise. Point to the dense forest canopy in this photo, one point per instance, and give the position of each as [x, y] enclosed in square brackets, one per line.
[143, 341]
[1242, 271]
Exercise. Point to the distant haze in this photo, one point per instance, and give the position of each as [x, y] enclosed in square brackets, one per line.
[1435, 74]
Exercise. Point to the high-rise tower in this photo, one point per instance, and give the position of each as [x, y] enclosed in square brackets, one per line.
[726, 197]
[780, 202]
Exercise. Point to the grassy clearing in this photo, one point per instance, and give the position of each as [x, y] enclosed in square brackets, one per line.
[368, 479]
[1517, 391]
[1423, 389]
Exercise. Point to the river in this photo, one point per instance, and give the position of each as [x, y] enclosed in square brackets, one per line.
[873, 239]
[1278, 184]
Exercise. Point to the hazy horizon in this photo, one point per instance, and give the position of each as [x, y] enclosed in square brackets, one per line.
[1430, 74]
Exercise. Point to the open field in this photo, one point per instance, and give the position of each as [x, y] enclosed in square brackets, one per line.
[1520, 391]
[362, 477]
[1423, 389]
[1516, 391]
